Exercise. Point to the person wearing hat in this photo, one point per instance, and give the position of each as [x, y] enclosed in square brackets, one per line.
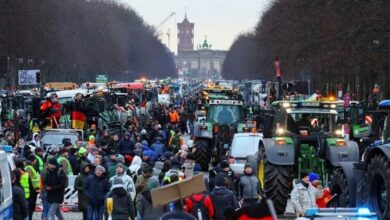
[51, 110]
[29, 167]
[112, 169]
[128, 182]
[143, 179]
[158, 148]
[55, 183]
[79, 185]
[64, 162]
[82, 156]
[222, 197]
[175, 170]
[222, 168]
[126, 145]
[315, 181]
[249, 188]
[122, 202]
[303, 195]
[96, 188]
[145, 206]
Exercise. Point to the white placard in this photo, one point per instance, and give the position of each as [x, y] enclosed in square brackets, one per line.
[28, 77]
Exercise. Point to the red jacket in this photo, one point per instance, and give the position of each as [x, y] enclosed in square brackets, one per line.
[207, 203]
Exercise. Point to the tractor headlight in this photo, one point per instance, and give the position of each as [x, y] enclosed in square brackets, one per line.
[333, 106]
[339, 132]
[286, 105]
[280, 131]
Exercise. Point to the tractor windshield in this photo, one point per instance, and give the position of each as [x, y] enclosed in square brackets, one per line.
[321, 121]
[225, 114]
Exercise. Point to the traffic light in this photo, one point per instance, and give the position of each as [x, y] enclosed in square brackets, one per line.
[38, 77]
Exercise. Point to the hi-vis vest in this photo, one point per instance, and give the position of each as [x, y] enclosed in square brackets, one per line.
[40, 163]
[25, 184]
[35, 177]
[60, 159]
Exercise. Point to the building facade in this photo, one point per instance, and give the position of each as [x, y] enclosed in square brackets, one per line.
[203, 63]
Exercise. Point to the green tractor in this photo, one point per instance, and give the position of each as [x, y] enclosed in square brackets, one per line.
[300, 135]
[213, 135]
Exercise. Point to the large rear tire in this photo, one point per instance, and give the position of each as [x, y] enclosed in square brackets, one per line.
[339, 186]
[202, 153]
[378, 181]
[275, 180]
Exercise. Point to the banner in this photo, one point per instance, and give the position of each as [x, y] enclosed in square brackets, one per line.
[29, 77]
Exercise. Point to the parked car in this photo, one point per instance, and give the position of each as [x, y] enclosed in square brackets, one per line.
[243, 145]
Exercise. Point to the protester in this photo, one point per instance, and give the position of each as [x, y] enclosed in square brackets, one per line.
[79, 185]
[56, 181]
[145, 206]
[123, 207]
[222, 197]
[304, 195]
[200, 206]
[250, 190]
[128, 183]
[19, 202]
[321, 202]
[96, 188]
[126, 146]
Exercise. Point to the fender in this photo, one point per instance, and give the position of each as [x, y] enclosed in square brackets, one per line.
[382, 149]
[279, 154]
[347, 153]
[348, 170]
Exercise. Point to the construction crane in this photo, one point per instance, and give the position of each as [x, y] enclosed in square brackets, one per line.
[166, 19]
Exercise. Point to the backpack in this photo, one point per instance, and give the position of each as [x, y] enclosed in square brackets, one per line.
[59, 175]
[198, 208]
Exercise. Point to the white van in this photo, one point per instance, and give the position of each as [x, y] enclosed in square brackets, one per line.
[5, 188]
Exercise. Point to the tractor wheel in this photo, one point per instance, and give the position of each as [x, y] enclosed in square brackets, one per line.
[202, 153]
[275, 180]
[378, 181]
[339, 186]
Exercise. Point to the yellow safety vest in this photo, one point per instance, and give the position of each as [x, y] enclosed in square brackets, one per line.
[35, 177]
[25, 184]
[40, 163]
[60, 159]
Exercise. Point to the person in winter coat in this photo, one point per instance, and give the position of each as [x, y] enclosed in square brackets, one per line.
[96, 188]
[250, 190]
[175, 170]
[123, 206]
[304, 195]
[79, 185]
[55, 186]
[145, 206]
[19, 203]
[143, 180]
[222, 168]
[128, 182]
[126, 146]
[107, 139]
[222, 197]
[158, 148]
[166, 167]
[36, 139]
[203, 200]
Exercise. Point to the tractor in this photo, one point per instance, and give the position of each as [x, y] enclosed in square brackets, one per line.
[299, 135]
[224, 117]
[367, 182]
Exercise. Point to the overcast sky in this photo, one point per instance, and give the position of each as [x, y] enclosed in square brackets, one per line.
[220, 20]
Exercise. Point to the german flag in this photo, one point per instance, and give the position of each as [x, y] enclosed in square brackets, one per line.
[78, 120]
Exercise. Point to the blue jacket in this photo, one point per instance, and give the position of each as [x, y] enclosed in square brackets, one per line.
[96, 189]
[125, 147]
[158, 149]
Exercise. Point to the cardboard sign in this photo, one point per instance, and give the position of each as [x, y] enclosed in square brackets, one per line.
[178, 190]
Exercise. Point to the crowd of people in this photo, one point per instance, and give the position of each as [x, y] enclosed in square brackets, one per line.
[117, 172]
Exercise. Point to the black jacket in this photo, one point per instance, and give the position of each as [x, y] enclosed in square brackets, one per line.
[223, 198]
[96, 189]
[19, 203]
[230, 176]
[79, 185]
[123, 204]
[56, 180]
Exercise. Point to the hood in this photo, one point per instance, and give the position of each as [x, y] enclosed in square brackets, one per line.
[220, 191]
[83, 165]
[35, 134]
[135, 164]
[119, 191]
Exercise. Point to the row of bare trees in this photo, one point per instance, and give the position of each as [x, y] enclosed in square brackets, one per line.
[329, 42]
[73, 40]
